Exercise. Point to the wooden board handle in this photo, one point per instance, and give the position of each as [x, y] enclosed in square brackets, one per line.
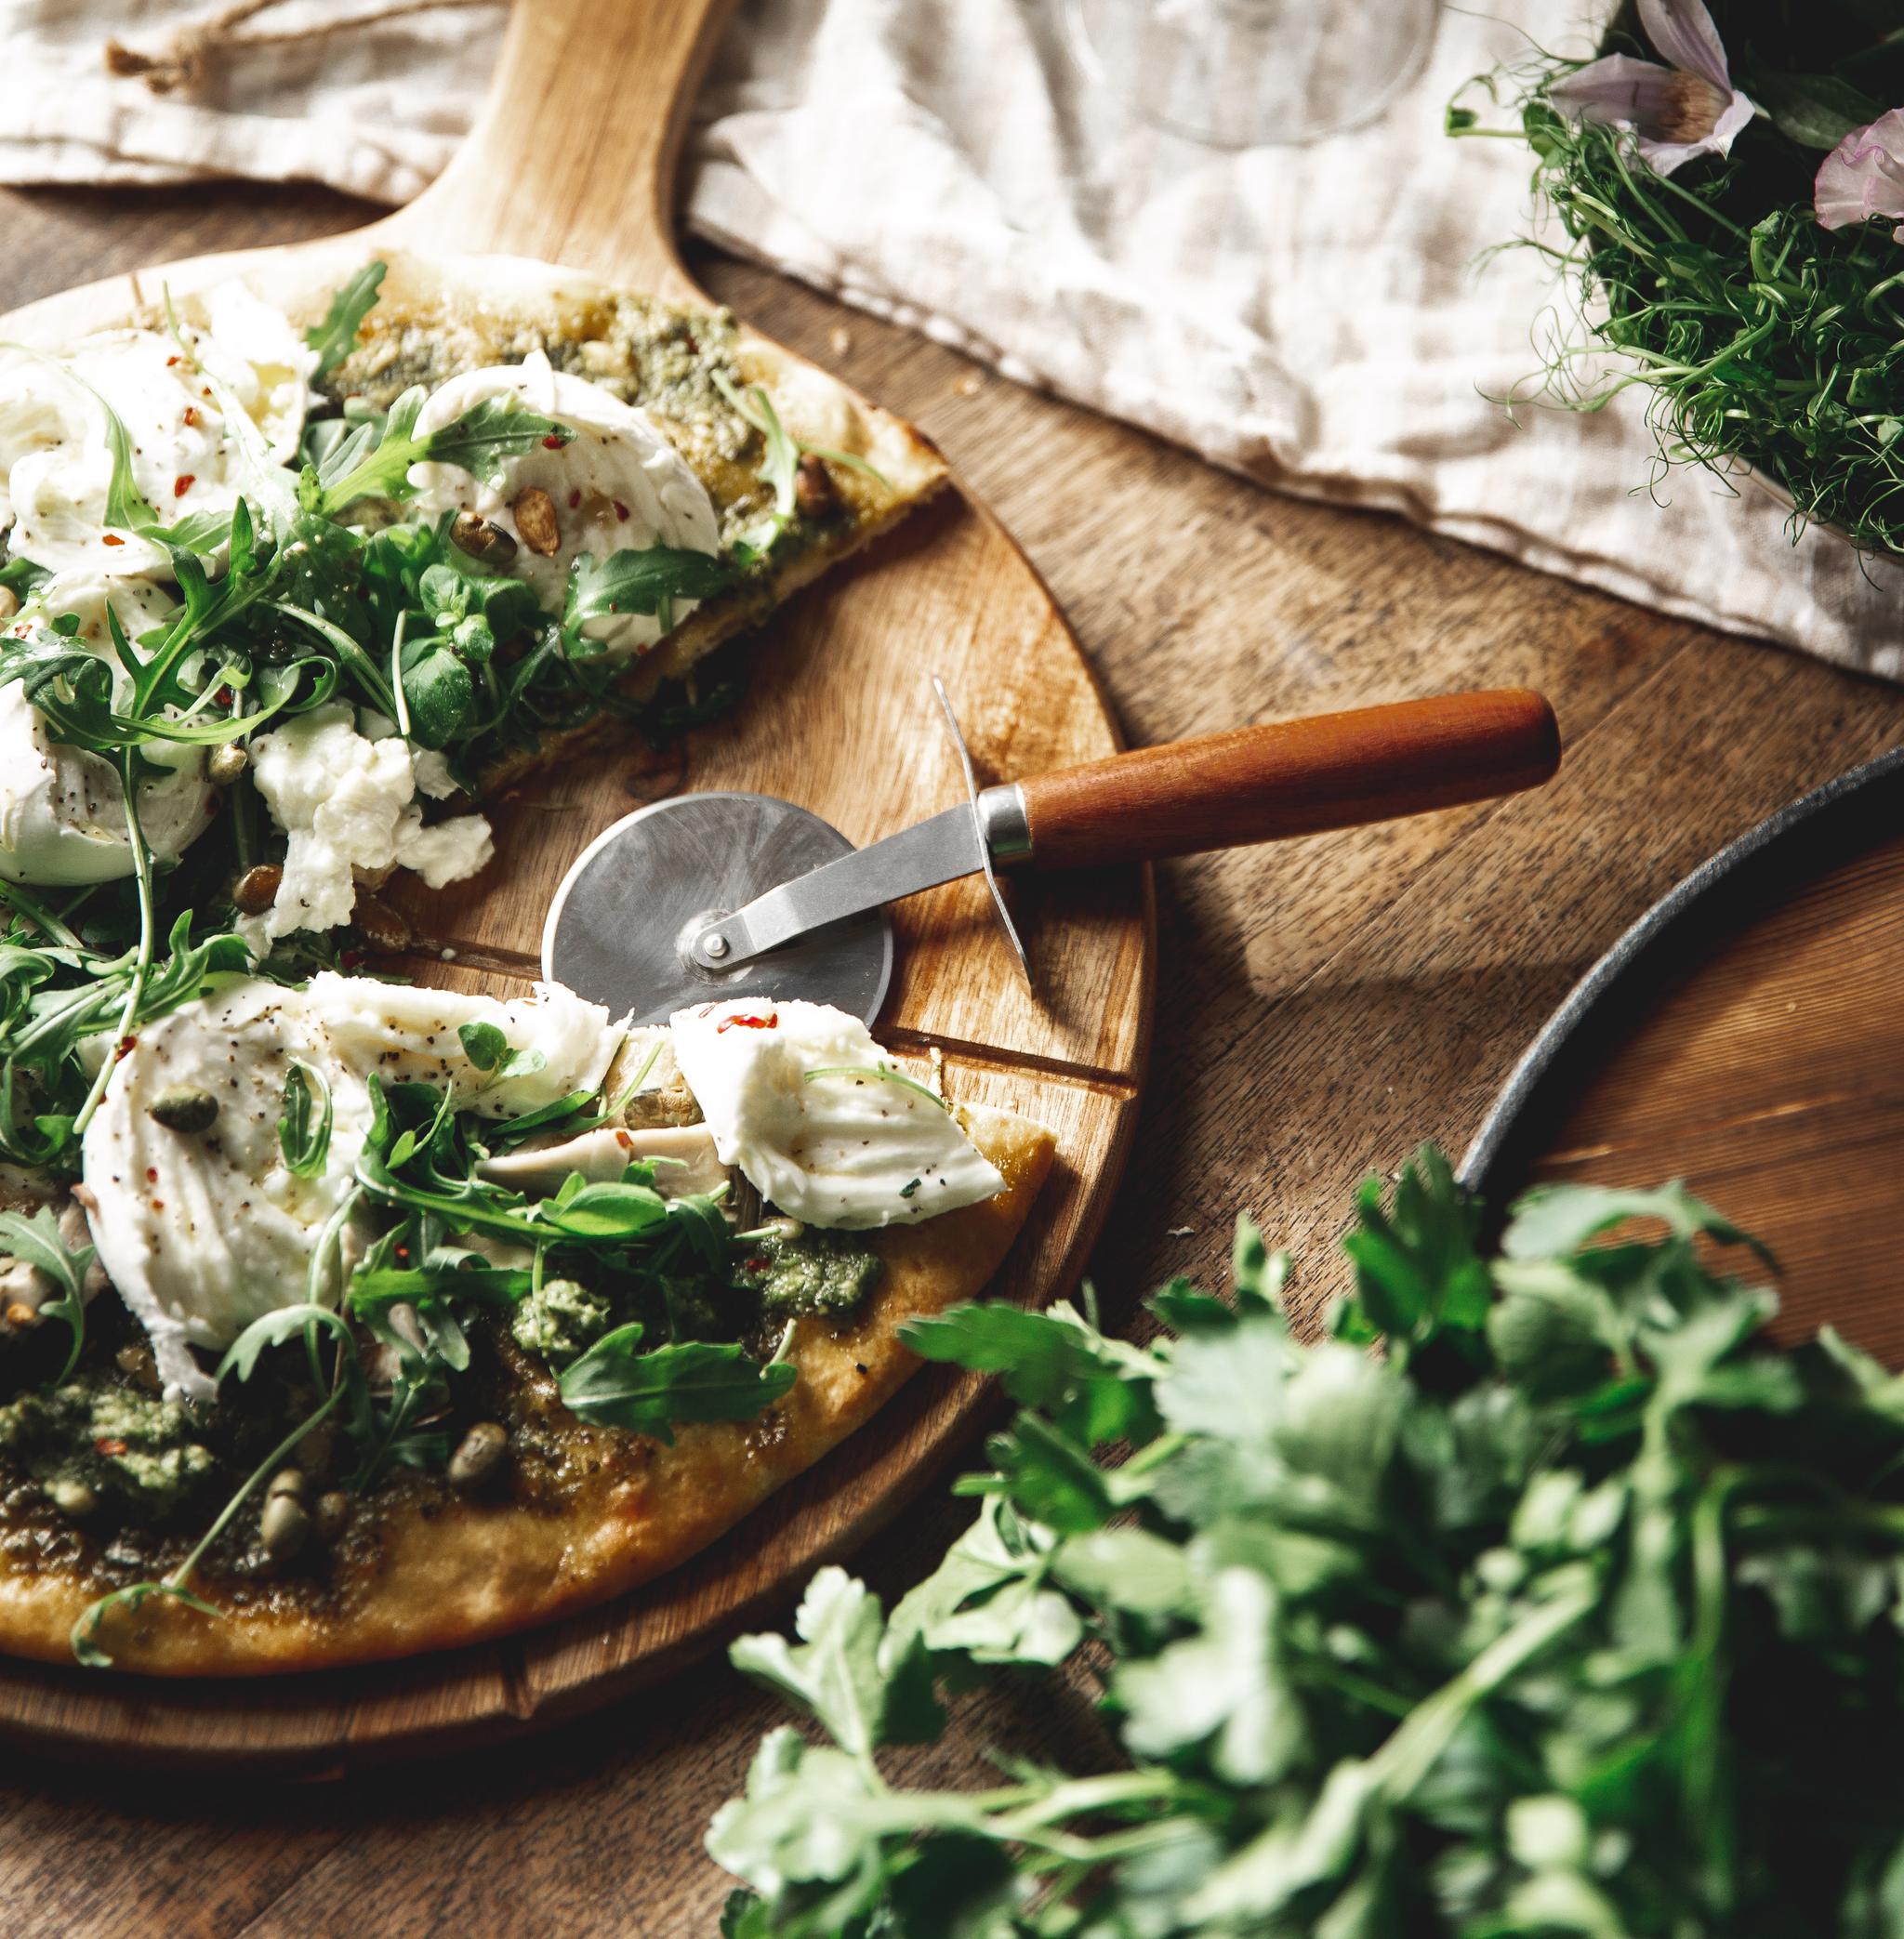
[571, 159]
[1292, 777]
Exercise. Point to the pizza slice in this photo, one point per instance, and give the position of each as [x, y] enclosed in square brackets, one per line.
[341, 1319]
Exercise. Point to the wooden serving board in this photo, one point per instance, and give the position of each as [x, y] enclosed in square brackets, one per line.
[1743, 1035]
[573, 163]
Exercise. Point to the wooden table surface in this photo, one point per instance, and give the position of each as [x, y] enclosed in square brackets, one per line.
[1322, 1008]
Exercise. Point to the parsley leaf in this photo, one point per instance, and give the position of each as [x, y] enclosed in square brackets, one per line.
[1555, 1616]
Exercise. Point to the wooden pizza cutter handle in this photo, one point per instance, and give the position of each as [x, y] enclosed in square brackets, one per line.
[1291, 777]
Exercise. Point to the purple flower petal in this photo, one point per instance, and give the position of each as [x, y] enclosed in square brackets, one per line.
[1674, 114]
[1616, 88]
[1682, 33]
[1864, 175]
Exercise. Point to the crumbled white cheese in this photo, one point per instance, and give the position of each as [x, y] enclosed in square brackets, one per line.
[347, 803]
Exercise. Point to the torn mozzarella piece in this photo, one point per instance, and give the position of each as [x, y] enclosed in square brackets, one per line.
[794, 1096]
[409, 1034]
[348, 803]
[172, 396]
[203, 1233]
[683, 1157]
[62, 814]
[618, 485]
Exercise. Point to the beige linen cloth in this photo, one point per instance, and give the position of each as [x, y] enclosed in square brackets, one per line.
[1315, 317]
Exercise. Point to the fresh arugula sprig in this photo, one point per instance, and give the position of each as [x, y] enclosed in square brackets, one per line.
[335, 338]
[480, 441]
[617, 1383]
[1576, 1612]
[37, 1239]
[781, 451]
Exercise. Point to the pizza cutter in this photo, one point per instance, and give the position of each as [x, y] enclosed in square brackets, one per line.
[710, 896]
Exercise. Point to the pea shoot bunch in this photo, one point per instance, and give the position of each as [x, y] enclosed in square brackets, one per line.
[1758, 337]
[1575, 1610]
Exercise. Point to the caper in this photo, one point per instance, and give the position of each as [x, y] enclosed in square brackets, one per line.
[287, 1481]
[478, 1452]
[226, 764]
[257, 888]
[485, 542]
[285, 1527]
[184, 1107]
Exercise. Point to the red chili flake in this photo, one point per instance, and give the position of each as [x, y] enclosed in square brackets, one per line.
[110, 1444]
[552, 443]
[183, 484]
[192, 413]
[403, 1252]
[158, 1205]
[126, 1046]
[575, 498]
[349, 958]
[113, 538]
[621, 511]
[747, 1022]
[152, 1174]
[622, 1139]
[170, 363]
[757, 1264]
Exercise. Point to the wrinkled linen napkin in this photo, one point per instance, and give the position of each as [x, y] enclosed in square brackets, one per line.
[1315, 317]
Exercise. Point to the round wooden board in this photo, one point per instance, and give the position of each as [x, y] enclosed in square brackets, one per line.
[1742, 1035]
[839, 716]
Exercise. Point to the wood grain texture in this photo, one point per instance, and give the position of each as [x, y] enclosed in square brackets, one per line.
[1324, 1004]
[570, 161]
[1771, 1078]
[1292, 777]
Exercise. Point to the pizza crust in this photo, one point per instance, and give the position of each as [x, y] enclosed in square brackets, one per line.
[449, 1570]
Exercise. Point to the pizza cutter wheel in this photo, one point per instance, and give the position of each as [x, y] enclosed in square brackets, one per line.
[706, 897]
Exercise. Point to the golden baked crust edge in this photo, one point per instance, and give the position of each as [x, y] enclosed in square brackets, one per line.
[455, 1571]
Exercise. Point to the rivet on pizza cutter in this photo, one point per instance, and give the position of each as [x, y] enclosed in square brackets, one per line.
[708, 896]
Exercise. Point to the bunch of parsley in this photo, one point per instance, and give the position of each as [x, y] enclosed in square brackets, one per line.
[1575, 1611]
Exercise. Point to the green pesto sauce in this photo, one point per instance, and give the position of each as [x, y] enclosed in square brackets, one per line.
[134, 1453]
[826, 1273]
[561, 1319]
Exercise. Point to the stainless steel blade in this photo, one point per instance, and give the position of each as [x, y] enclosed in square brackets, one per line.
[933, 852]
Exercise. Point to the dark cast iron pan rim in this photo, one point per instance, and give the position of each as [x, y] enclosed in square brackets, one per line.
[1784, 853]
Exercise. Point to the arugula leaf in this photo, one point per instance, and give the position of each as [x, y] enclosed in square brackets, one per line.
[90, 1652]
[305, 1143]
[336, 336]
[648, 1394]
[127, 507]
[272, 1329]
[480, 442]
[37, 1239]
[642, 581]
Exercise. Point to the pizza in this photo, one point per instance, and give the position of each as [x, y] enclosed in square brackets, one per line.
[342, 1318]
